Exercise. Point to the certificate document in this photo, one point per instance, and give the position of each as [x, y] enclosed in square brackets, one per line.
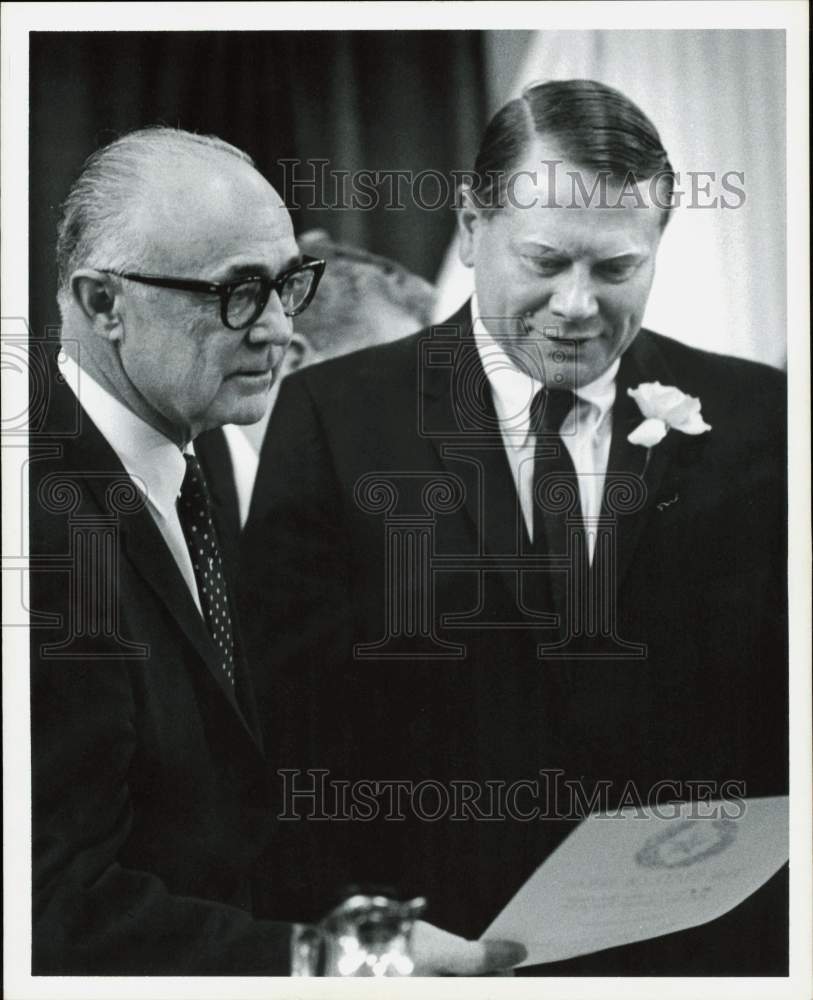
[642, 872]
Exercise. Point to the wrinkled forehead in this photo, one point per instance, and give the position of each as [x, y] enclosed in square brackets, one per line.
[198, 210]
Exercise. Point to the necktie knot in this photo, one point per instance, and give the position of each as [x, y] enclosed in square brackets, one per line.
[549, 409]
[193, 487]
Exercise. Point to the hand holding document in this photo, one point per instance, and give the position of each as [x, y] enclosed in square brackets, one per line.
[643, 872]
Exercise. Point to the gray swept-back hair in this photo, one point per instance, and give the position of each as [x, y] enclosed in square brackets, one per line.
[93, 227]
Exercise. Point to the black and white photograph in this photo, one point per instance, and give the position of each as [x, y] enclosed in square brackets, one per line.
[406, 537]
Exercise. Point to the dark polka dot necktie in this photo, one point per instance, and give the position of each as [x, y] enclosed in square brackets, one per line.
[194, 512]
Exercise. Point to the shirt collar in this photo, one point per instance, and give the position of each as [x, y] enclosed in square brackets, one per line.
[155, 463]
[513, 390]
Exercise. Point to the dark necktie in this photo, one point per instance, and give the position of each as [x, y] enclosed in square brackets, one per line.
[195, 514]
[552, 465]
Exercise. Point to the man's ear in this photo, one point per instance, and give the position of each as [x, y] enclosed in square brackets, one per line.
[98, 299]
[469, 220]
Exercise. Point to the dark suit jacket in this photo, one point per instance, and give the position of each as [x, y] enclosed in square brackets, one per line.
[688, 683]
[151, 804]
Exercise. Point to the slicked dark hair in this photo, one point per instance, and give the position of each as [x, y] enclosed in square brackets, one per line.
[593, 125]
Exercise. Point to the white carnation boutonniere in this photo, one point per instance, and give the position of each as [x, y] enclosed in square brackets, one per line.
[664, 408]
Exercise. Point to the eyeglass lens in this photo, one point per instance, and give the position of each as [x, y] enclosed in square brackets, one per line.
[246, 299]
[295, 290]
[243, 302]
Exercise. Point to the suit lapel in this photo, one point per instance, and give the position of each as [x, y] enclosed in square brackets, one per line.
[465, 432]
[490, 494]
[148, 553]
[641, 363]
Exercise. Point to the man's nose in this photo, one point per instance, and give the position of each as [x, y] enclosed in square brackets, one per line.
[272, 326]
[574, 299]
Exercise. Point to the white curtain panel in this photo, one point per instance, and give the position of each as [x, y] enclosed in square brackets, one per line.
[718, 101]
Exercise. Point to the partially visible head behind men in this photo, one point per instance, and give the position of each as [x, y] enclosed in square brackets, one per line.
[589, 124]
[166, 204]
[364, 300]
[562, 225]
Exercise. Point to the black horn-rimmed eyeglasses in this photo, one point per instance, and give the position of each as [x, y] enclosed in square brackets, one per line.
[243, 300]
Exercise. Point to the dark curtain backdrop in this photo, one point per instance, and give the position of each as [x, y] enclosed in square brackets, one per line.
[374, 101]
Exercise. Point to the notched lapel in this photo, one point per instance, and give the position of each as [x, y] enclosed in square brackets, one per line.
[145, 548]
[147, 551]
[458, 416]
[142, 543]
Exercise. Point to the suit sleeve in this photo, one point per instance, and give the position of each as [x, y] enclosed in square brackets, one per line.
[94, 912]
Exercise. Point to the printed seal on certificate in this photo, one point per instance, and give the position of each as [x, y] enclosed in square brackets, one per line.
[687, 843]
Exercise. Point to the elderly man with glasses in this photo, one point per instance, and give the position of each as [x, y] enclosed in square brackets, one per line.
[178, 277]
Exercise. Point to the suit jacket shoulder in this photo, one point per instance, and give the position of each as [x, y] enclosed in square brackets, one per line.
[729, 388]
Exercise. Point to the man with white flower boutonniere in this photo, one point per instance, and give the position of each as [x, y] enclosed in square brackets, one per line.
[535, 551]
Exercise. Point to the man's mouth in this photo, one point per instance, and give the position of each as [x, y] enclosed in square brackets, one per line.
[256, 374]
[557, 335]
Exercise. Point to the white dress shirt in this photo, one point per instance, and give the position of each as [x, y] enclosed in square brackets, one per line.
[586, 430]
[244, 462]
[154, 463]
